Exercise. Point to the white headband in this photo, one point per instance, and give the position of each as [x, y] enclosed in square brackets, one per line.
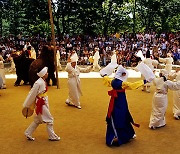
[42, 72]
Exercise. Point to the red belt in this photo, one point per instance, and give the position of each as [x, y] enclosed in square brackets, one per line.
[113, 94]
[40, 102]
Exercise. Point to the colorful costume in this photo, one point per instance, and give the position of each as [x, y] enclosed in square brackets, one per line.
[43, 115]
[118, 118]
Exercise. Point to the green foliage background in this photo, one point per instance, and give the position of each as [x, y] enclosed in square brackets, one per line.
[92, 17]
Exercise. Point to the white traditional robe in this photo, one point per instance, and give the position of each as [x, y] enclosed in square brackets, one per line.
[74, 82]
[114, 58]
[96, 58]
[160, 101]
[176, 99]
[149, 63]
[168, 61]
[38, 89]
[58, 60]
[2, 72]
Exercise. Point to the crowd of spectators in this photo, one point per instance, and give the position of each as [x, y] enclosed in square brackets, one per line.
[125, 45]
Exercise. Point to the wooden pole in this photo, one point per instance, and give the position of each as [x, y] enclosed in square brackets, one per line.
[53, 40]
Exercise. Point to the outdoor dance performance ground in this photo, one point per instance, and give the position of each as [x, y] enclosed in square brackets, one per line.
[83, 131]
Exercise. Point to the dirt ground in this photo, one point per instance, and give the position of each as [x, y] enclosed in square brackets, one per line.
[83, 131]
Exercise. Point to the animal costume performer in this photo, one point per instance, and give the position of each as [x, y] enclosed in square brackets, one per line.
[74, 81]
[22, 64]
[38, 93]
[160, 99]
[45, 59]
[119, 119]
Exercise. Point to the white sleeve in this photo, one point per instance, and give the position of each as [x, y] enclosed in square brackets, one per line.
[173, 85]
[85, 70]
[163, 60]
[31, 96]
[69, 68]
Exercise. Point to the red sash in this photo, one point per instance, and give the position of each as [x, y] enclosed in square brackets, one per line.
[113, 94]
[40, 102]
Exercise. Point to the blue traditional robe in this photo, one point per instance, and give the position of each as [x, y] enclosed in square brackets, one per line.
[119, 121]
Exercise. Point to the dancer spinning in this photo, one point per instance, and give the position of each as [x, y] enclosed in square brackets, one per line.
[119, 119]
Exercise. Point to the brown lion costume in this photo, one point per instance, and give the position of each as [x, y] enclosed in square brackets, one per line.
[46, 58]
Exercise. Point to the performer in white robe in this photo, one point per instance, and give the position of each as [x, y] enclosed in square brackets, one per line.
[114, 57]
[43, 115]
[176, 99]
[74, 81]
[168, 61]
[58, 60]
[96, 58]
[2, 72]
[1, 82]
[149, 62]
[160, 100]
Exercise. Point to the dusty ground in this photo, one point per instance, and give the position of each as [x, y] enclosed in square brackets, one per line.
[83, 131]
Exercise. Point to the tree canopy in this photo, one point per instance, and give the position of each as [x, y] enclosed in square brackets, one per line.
[90, 17]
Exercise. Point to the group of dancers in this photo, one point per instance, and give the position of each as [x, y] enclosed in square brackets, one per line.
[119, 119]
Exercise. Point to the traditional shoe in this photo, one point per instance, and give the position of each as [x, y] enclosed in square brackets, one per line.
[4, 86]
[176, 117]
[152, 127]
[79, 107]
[16, 84]
[115, 143]
[134, 136]
[26, 83]
[30, 138]
[69, 103]
[148, 91]
[54, 139]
